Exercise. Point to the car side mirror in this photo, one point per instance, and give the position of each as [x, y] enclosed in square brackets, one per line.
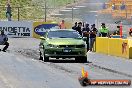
[42, 38]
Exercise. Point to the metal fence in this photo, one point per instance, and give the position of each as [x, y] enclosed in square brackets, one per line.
[40, 11]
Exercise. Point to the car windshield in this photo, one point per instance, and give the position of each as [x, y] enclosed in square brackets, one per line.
[63, 34]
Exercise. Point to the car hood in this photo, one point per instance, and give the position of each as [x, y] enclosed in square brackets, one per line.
[65, 41]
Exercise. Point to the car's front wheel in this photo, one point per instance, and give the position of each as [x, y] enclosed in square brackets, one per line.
[46, 58]
[82, 59]
[43, 57]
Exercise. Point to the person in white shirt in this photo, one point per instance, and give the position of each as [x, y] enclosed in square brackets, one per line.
[4, 41]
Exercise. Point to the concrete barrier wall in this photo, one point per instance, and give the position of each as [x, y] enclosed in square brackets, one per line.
[102, 45]
[114, 46]
[118, 47]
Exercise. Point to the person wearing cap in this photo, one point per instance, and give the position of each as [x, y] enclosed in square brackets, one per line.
[103, 31]
[93, 33]
[79, 28]
[117, 32]
[75, 26]
[8, 12]
[62, 25]
[4, 41]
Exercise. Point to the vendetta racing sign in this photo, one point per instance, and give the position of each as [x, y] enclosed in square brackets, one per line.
[17, 28]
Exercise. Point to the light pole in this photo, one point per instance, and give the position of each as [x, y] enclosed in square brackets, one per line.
[18, 13]
[72, 14]
[96, 21]
[54, 4]
[45, 11]
[126, 13]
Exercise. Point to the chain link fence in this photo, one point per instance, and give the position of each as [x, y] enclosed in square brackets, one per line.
[40, 10]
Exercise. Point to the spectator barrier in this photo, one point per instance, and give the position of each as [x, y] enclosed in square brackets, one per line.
[102, 45]
[114, 46]
[118, 47]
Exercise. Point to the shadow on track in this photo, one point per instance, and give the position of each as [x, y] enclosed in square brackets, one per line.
[65, 61]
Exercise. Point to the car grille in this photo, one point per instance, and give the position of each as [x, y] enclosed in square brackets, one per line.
[68, 46]
[72, 46]
[69, 53]
[80, 46]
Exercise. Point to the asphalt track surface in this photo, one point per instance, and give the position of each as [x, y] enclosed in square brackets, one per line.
[20, 68]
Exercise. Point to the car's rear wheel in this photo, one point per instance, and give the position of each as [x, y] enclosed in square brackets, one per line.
[82, 59]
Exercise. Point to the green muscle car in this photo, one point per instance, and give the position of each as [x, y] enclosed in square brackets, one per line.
[62, 43]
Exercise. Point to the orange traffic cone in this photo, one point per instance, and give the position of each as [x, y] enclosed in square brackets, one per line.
[84, 74]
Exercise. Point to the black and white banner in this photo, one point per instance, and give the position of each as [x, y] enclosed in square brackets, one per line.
[17, 28]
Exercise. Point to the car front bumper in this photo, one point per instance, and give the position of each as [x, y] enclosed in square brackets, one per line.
[57, 52]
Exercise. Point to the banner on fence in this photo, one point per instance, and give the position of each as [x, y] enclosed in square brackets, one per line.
[40, 28]
[17, 28]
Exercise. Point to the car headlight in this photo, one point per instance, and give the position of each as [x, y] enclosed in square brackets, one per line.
[52, 46]
[80, 46]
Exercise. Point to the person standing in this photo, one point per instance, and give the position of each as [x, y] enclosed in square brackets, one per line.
[103, 31]
[62, 25]
[75, 26]
[113, 6]
[86, 32]
[104, 6]
[93, 33]
[4, 41]
[117, 32]
[130, 32]
[8, 12]
[123, 6]
[79, 28]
